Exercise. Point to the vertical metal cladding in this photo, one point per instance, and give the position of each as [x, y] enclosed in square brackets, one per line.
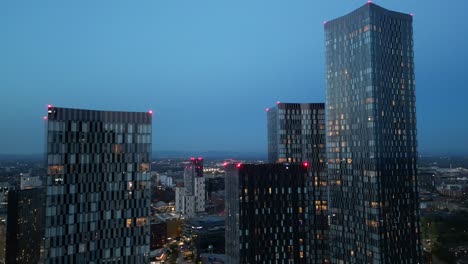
[371, 138]
[98, 186]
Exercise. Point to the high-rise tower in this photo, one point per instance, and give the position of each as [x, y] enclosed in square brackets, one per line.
[25, 226]
[296, 132]
[272, 215]
[98, 186]
[371, 137]
[190, 199]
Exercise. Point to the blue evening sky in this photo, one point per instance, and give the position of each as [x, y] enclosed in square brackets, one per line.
[208, 68]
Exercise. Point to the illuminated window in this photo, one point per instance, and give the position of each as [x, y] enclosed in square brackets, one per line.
[55, 169]
[144, 167]
[141, 221]
[118, 148]
[129, 222]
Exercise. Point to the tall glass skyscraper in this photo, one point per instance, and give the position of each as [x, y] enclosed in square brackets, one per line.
[371, 137]
[98, 186]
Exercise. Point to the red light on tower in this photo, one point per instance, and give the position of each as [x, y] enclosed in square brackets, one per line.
[49, 106]
[225, 164]
[278, 102]
[150, 112]
[44, 117]
[411, 14]
[192, 158]
[369, 2]
[239, 165]
[267, 109]
[305, 164]
[324, 22]
[200, 158]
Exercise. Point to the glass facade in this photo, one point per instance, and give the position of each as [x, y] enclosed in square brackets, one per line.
[273, 216]
[25, 226]
[98, 186]
[371, 138]
[296, 133]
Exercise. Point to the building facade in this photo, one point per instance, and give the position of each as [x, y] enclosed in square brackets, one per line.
[25, 226]
[296, 133]
[272, 216]
[98, 186]
[190, 199]
[158, 233]
[371, 137]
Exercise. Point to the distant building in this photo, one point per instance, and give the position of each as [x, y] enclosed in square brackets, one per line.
[25, 226]
[98, 186]
[296, 132]
[371, 138]
[158, 233]
[173, 224]
[166, 181]
[207, 233]
[29, 182]
[190, 199]
[271, 216]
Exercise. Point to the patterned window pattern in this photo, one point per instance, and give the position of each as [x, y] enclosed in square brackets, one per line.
[98, 186]
[371, 138]
[272, 216]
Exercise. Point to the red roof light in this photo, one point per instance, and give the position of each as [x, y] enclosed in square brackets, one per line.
[239, 165]
[306, 164]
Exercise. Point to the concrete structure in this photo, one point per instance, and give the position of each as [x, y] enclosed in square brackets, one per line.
[371, 138]
[166, 181]
[190, 199]
[29, 182]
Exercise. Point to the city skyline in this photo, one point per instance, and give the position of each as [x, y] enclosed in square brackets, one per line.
[204, 60]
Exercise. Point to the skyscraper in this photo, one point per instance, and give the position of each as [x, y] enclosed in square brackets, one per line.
[98, 186]
[272, 215]
[296, 133]
[25, 226]
[190, 199]
[371, 137]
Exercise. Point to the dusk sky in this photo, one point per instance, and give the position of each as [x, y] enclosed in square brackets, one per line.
[208, 68]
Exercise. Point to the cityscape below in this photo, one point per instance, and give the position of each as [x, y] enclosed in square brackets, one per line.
[342, 181]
